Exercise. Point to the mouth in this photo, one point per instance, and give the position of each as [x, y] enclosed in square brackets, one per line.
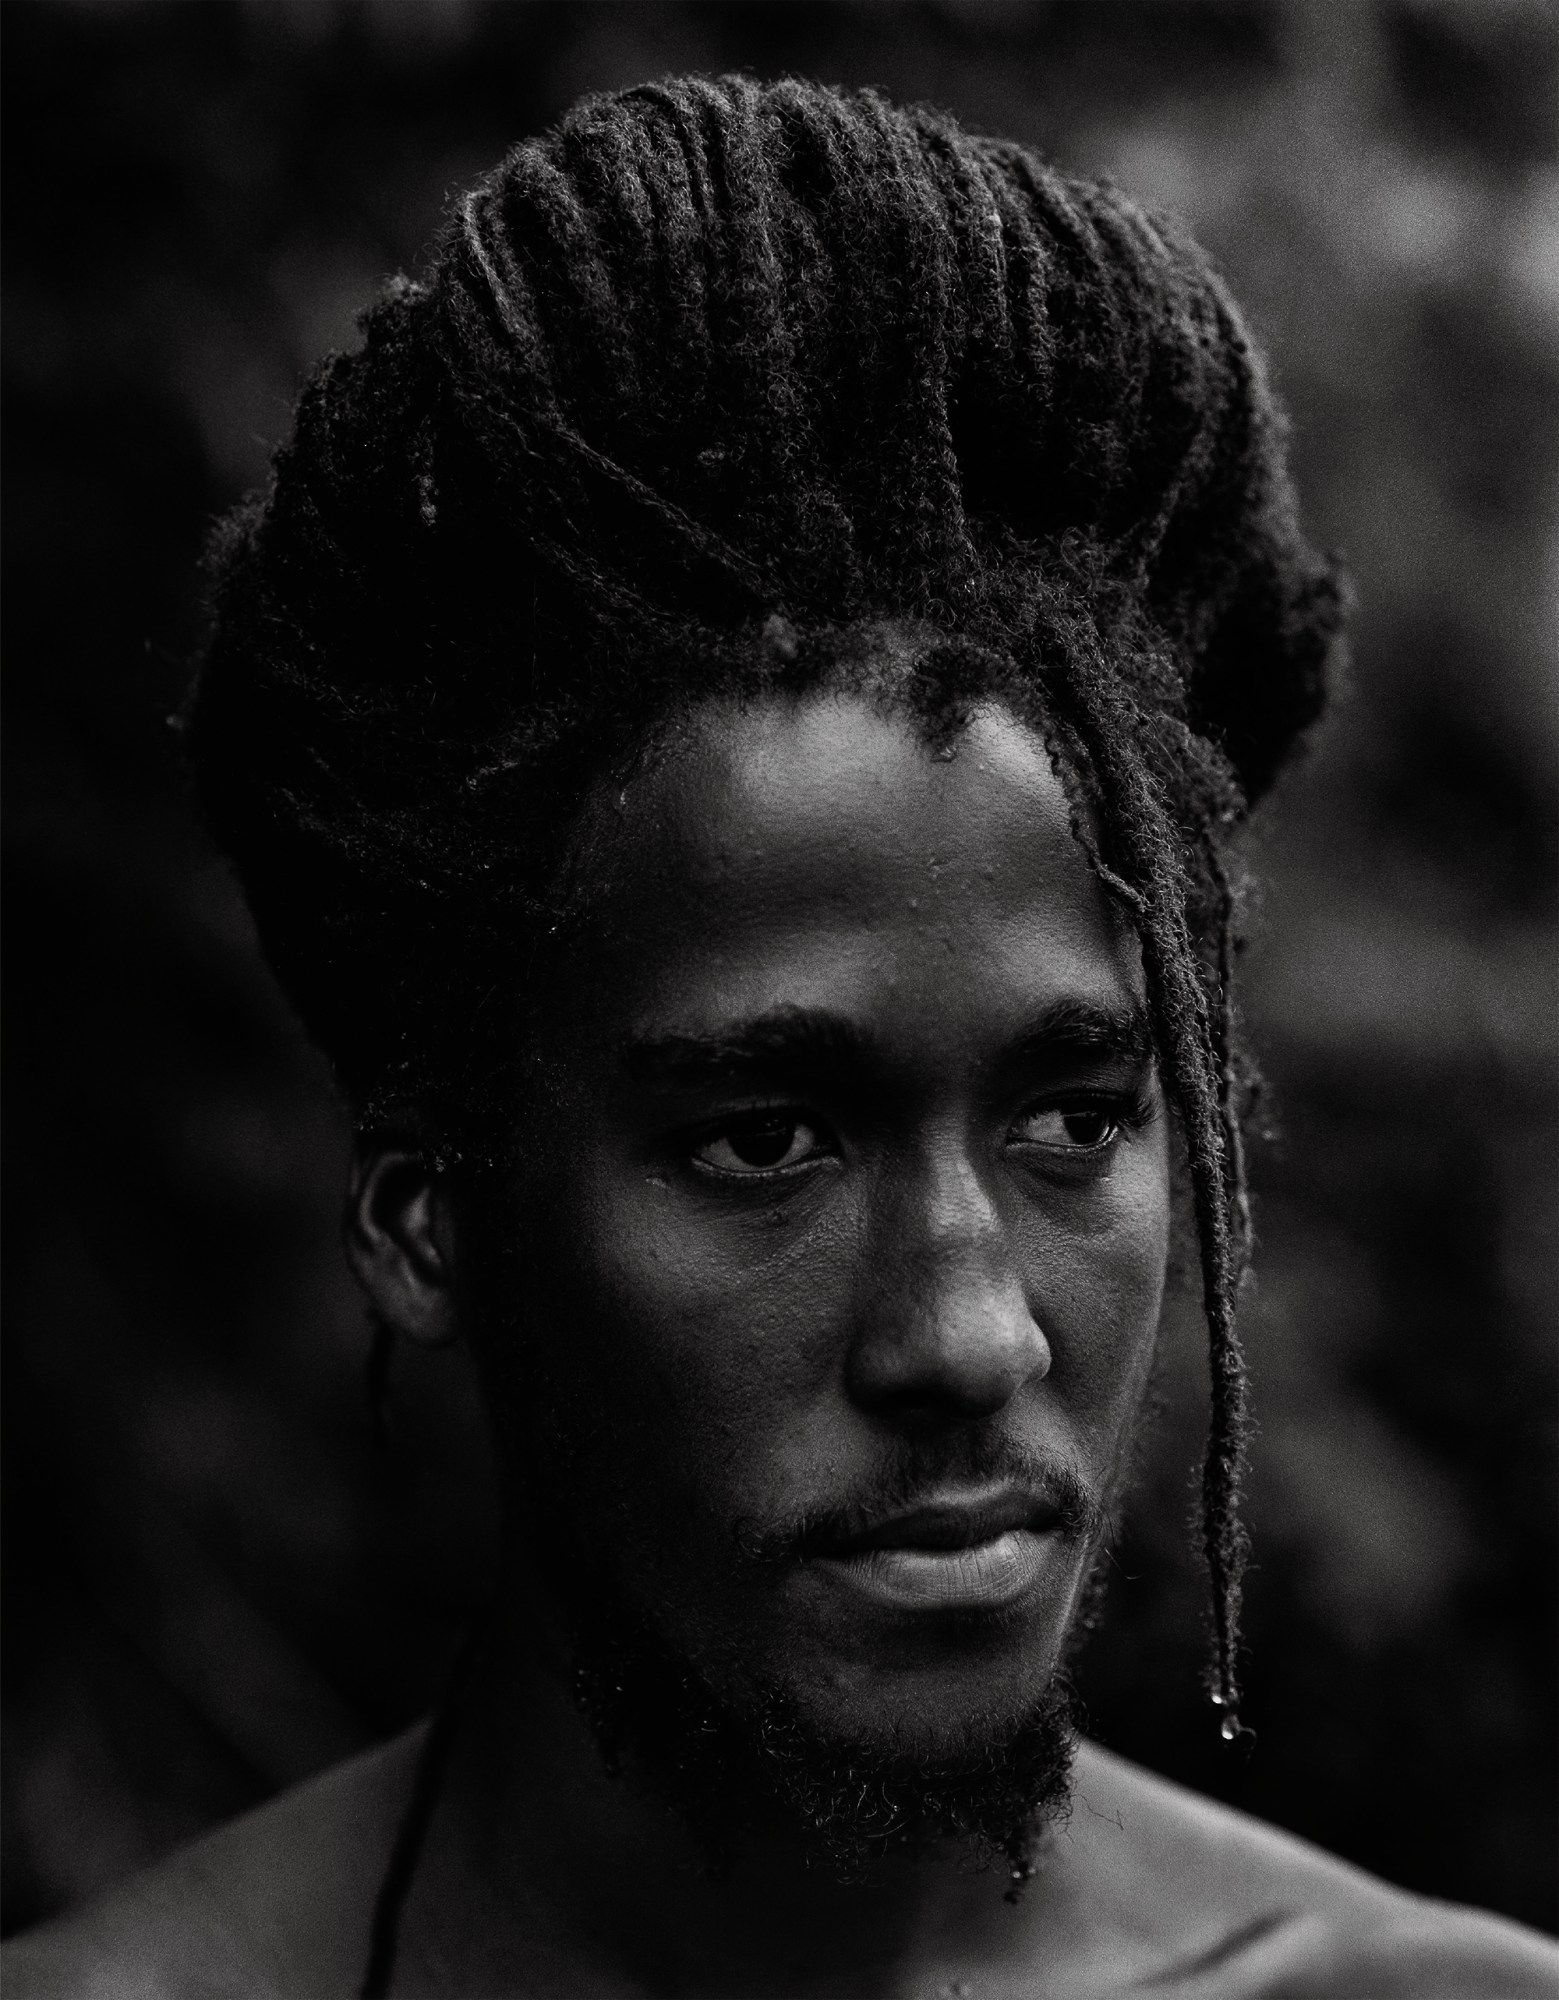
[964, 1553]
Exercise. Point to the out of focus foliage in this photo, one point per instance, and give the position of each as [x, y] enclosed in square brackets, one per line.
[217, 1581]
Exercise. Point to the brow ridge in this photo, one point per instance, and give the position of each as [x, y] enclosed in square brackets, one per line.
[821, 1039]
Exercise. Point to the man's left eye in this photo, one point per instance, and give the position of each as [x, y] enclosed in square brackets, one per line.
[1074, 1129]
[765, 1143]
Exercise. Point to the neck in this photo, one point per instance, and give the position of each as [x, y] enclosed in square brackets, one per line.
[538, 1859]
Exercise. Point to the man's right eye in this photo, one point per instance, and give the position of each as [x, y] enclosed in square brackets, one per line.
[765, 1142]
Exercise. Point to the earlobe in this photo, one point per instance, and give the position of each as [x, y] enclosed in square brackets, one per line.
[399, 1240]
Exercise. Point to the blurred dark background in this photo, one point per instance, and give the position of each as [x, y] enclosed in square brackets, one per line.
[217, 1582]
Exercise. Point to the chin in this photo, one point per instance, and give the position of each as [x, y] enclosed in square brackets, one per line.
[947, 1711]
[851, 1766]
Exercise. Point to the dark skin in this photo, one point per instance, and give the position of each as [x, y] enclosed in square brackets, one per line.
[858, 1157]
[862, 1154]
[853, 1188]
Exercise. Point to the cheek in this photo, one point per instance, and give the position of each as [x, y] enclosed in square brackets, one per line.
[1096, 1280]
[697, 1342]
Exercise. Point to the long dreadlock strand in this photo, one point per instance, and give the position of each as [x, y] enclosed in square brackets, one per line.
[1138, 835]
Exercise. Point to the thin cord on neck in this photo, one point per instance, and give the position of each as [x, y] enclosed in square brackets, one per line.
[432, 1762]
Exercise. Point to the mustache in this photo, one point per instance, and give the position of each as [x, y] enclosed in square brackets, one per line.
[910, 1472]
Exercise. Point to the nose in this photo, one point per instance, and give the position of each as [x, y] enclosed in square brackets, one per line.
[944, 1326]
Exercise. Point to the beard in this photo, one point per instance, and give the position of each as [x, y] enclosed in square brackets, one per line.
[728, 1771]
[736, 1756]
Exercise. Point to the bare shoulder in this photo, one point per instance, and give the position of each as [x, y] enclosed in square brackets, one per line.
[274, 1906]
[1219, 1905]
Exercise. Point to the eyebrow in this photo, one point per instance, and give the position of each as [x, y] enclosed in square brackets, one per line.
[1088, 1028]
[817, 1041]
[792, 1038]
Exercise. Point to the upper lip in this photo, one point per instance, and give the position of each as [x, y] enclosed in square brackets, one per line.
[954, 1522]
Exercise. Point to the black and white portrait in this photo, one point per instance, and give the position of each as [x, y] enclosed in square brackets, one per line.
[782, 1117]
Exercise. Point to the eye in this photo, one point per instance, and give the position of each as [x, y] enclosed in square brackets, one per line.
[1075, 1128]
[763, 1142]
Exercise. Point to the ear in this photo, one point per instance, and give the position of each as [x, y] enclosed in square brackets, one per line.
[398, 1231]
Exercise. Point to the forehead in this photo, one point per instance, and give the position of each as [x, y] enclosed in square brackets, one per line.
[817, 852]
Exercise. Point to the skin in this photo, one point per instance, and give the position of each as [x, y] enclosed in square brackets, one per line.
[860, 1172]
[943, 1273]
[859, 1169]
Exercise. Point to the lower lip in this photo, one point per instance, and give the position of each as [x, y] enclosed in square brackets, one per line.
[983, 1577]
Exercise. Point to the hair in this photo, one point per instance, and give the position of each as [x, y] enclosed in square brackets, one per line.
[710, 388]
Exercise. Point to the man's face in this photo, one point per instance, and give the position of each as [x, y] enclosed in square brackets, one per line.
[850, 1218]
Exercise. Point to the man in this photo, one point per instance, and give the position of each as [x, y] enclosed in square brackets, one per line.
[731, 718]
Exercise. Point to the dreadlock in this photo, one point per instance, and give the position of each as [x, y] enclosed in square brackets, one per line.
[700, 390]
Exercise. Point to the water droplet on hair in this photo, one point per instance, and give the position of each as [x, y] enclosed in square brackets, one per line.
[1229, 1728]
